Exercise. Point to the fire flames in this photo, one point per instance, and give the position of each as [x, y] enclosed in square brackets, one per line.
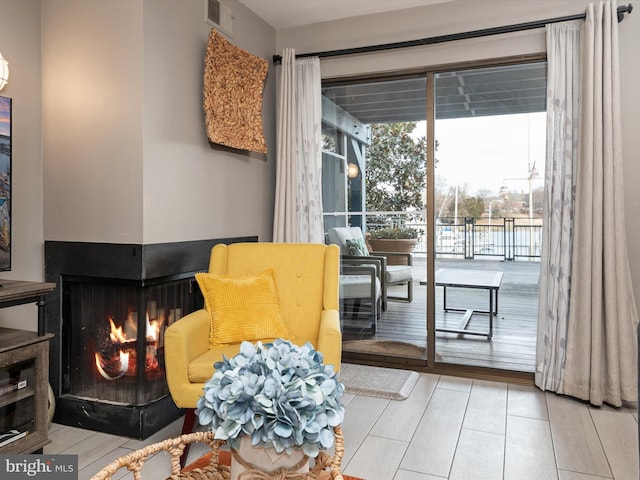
[118, 357]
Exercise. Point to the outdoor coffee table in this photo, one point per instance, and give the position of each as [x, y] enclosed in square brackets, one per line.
[478, 279]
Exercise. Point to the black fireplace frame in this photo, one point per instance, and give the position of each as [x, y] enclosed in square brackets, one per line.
[132, 264]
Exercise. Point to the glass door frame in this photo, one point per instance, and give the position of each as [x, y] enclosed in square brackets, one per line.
[431, 365]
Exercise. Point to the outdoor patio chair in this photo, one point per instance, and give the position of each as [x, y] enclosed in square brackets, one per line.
[352, 246]
[360, 293]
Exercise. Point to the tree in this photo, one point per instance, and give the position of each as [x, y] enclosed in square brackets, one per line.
[396, 168]
[474, 207]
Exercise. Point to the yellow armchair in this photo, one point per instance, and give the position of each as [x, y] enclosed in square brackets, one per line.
[307, 281]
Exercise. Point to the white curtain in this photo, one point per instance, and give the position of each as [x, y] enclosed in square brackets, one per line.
[285, 221]
[298, 205]
[563, 75]
[601, 341]
[593, 356]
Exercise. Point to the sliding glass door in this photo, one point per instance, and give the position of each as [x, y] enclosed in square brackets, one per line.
[490, 132]
[375, 152]
[448, 166]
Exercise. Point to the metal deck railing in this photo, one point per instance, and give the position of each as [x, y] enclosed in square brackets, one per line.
[509, 238]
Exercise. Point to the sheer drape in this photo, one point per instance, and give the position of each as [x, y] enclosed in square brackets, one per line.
[563, 74]
[298, 204]
[309, 150]
[596, 359]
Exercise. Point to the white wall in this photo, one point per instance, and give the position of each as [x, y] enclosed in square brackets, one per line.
[20, 45]
[467, 15]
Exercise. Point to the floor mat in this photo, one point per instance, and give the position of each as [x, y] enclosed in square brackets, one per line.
[380, 382]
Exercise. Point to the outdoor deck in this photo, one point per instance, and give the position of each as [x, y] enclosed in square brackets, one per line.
[513, 346]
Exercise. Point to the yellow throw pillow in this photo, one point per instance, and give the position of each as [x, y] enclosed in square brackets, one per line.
[242, 308]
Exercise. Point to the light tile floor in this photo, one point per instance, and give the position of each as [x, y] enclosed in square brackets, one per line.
[449, 427]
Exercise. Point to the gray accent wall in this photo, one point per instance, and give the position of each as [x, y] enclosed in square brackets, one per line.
[125, 153]
[109, 136]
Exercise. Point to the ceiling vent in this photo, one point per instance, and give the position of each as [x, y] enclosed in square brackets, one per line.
[219, 16]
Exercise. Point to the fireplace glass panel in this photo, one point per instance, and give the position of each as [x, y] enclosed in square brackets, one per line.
[115, 338]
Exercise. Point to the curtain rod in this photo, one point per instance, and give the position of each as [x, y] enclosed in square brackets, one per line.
[518, 27]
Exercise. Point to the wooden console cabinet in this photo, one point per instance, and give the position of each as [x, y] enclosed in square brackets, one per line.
[24, 380]
[24, 373]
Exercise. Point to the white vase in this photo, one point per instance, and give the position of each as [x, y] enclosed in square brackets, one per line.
[265, 459]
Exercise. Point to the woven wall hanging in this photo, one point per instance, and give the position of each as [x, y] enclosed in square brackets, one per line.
[233, 86]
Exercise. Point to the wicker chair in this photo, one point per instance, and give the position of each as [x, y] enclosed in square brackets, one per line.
[325, 467]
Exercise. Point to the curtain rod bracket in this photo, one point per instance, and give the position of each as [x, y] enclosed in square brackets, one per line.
[623, 10]
[277, 59]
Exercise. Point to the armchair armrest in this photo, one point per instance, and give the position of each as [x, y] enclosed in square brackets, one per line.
[367, 284]
[374, 272]
[355, 259]
[330, 338]
[380, 264]
[405, 255]
[185, 340]
[371, 269]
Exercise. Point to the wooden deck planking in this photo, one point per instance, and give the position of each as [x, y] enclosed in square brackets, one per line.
[513, 346]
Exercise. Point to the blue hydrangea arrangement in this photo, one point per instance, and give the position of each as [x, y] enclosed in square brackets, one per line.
[280, 394]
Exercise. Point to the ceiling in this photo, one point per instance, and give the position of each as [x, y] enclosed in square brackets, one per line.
[464, 93]
[295, 13]
[468, 93]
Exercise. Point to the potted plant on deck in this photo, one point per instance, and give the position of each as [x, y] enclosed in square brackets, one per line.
[393, 239]
[276, 404]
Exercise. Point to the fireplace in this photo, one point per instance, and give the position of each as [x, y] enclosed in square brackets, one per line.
[109, 313]
[115, 334]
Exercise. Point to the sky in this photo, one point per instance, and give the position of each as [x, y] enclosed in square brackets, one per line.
[489, 152]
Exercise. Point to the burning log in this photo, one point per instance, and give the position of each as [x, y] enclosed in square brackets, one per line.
[112, 367]
[119, 357]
